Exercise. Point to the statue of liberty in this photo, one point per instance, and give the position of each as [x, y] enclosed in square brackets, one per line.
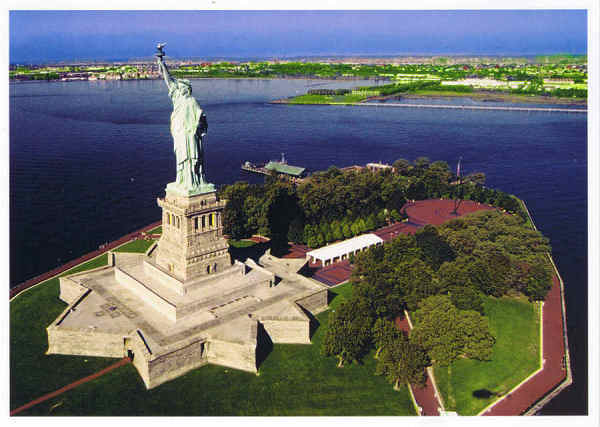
[188, 128]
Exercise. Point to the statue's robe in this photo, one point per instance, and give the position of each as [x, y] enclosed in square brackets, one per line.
[187, 142]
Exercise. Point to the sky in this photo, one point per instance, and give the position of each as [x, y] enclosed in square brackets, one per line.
[37, 36]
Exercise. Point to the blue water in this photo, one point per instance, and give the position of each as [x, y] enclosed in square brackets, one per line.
[89, 159]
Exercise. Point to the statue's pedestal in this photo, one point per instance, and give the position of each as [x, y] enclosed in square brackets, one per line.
[192, 243]
[203, 188]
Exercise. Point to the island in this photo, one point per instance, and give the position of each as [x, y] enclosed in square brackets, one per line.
[435, 285]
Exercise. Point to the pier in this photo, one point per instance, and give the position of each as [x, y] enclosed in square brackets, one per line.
[281, 168]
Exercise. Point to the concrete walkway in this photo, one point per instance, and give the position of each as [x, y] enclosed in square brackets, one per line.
[66, 388]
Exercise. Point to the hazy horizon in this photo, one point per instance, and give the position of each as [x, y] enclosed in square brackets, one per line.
[55, 36]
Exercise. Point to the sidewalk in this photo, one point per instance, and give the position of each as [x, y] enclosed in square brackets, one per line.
[424, 396]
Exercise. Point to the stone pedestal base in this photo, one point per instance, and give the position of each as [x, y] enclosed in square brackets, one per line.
[192, 243]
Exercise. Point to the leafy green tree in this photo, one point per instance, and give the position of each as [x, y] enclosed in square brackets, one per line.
[355, 227]
[329, 237]
[371, 223]
[434, 248]
[415, 281]
[466, 298]
[336, 229]
[402, 166]
[476, 178]
[478, 341]
[347, 229]
[539, 281]
[320, 240]
[384, 333]
[296, 231]
[402, 361]
[417, 190]
[349, 332]
[234, 215]
[281, 206]
[381, 217]
[447, 333]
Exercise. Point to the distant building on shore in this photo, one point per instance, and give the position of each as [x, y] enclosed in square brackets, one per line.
[375, 167]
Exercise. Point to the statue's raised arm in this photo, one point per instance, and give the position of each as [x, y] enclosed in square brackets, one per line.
[162, 67]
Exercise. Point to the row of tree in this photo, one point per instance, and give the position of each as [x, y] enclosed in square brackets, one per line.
[331, 92]
[326, 232]
[335, 204]
[441, 274]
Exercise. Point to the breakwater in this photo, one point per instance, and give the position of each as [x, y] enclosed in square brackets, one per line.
[474, 107]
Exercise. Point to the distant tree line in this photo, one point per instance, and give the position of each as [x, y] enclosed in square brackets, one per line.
[331, 92]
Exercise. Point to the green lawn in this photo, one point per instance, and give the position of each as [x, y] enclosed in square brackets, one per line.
[241, 243]
[139, 245]
[326, 99]
[293, 380]
[157, 230]
[515, 324]
[32, 373]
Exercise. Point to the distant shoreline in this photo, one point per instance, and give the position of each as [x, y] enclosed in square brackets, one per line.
[483, 96]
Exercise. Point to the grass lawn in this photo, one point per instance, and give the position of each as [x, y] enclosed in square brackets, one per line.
[32, 372]
[241, 243]
[326, 99]
[515, 324]
[139, 245]
[293, 380]
[157, 230]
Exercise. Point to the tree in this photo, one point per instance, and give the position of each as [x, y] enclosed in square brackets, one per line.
[402, 361]
[349, 332]
[434, 248]
[384, 333]
[336, 229]
[478, 341]
[476, 178]
[234, 214]
[402, 166]
[436, 329]
[346, 228]
[296, 231]
[416, 190]
[466, 298]
[420, 165]
[539, 281]
[414, 280]
[447, 333]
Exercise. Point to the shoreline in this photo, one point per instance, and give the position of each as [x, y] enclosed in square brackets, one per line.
[481, 96]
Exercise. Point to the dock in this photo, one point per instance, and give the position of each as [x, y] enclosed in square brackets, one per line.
[281, 168]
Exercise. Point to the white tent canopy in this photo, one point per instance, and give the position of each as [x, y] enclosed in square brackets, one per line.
[342, 250]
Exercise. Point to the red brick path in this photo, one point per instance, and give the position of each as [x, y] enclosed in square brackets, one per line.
[45, 397]
[424, 396]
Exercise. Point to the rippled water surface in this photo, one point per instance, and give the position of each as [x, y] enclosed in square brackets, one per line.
[88, 159]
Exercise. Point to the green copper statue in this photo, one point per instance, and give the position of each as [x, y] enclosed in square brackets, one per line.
[188, 127]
